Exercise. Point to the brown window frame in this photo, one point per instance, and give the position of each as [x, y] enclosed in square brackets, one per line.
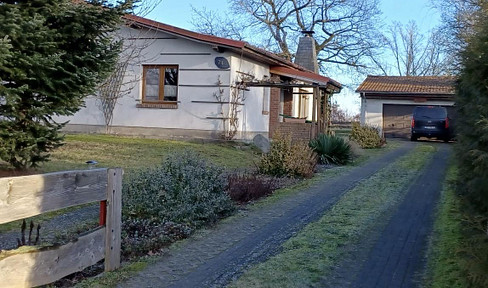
[161, 83]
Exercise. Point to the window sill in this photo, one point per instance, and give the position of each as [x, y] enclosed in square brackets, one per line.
[158, 105]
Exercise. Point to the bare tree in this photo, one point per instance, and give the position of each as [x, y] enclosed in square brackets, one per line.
[459, 24]
[345, 30]
[212, 23]
[413, 53]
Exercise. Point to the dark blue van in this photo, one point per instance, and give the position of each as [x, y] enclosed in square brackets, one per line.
[430, 122]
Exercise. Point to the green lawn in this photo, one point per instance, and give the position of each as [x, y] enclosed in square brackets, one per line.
[131, 153]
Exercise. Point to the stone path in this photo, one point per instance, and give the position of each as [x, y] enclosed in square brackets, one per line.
[220, 255]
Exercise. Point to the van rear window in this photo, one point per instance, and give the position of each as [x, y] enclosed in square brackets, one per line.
[430, 112]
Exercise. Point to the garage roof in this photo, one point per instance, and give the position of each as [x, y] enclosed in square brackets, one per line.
[408, 85]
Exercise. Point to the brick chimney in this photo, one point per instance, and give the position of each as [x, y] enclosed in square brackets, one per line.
[306, 55]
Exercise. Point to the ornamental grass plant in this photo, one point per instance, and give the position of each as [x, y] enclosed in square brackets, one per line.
[331, 149]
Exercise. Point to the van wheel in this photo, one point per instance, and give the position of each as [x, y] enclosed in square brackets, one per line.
[413, 138]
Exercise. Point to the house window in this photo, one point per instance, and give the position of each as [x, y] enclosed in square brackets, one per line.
[160, 83]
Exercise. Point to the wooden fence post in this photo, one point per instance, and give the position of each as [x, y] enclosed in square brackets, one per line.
[114, 219]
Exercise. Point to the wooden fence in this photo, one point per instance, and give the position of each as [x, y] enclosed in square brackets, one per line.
[27, 196]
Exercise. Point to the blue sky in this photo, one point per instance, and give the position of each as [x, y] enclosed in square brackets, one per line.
[179, 13]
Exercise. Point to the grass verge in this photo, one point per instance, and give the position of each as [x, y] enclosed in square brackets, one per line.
[444, 261]
[309, 256]
[110, 279]
[458, 250]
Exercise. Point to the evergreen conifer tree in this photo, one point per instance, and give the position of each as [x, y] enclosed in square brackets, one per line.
[472, 120]
[53, 53]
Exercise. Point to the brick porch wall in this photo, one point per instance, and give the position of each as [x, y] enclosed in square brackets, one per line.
[287, 102]
[274, 110]
[298, 131]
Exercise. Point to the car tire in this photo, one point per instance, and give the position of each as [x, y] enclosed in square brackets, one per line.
[413, 138]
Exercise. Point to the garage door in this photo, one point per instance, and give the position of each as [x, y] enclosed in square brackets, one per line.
[397, 120]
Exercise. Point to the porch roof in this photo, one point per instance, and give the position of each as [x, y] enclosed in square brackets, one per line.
[306, 76]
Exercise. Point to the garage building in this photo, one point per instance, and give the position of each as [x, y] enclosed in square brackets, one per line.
[387, 102]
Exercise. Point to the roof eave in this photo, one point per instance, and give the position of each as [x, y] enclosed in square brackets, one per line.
[405, 93]
[187, 34]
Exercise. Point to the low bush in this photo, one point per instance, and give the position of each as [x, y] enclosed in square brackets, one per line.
[331, 149]
[286, 158]
[184, 189]
[366, 136]
[249, 187]
[140, 236]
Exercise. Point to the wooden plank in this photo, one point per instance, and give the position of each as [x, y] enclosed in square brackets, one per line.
[44, 267]
[114, 219]
[26, 196]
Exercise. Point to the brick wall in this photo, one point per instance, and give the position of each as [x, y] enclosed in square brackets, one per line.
[298, 131]
[274, 110]
[288, 102]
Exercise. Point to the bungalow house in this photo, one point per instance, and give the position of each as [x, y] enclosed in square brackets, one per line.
[179, 83]
[387, 102]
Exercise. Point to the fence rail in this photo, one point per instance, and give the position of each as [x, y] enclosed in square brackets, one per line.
[28, 196]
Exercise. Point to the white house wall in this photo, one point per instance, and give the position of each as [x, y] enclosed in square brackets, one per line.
[197, 81]
[372, 109]
[254, 116]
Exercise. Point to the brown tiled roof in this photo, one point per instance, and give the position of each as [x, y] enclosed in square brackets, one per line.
[277, 63]
[408, 85]
[304, 75]
[186, 33]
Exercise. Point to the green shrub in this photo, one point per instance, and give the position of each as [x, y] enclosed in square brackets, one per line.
[366, 136]
[185, 189]
[475, 248]
[331, 149]
[165, 203]
[286, 158]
